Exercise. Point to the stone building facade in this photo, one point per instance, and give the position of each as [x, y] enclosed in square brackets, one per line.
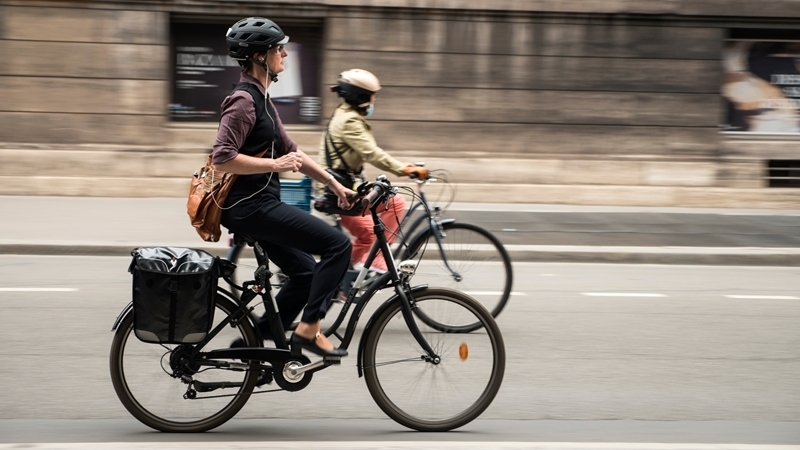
[547, 101]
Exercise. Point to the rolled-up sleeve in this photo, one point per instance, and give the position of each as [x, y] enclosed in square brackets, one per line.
[236, 121]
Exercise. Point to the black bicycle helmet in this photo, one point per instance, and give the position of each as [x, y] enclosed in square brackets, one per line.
[253, 35]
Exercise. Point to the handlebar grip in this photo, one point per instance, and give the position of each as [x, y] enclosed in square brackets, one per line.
[373, 195]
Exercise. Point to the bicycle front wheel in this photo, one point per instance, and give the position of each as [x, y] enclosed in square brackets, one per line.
[146, 383]
[425, 395]
[477, 264]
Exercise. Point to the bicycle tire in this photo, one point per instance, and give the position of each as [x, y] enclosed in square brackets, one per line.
[141, 381]
[466, 380]
[477, 255]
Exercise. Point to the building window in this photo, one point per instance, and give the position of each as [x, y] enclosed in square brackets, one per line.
[203, 74]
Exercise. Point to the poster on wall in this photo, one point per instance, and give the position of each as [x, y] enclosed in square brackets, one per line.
[761, 87]
[204, 74]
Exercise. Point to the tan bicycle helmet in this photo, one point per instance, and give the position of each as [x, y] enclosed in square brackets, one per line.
[356, 87]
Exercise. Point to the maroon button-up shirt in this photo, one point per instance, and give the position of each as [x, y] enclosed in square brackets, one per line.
[237, 119]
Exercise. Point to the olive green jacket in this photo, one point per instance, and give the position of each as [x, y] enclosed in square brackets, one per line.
[352, 135]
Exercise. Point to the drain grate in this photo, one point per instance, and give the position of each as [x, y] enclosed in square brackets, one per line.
[782, 173]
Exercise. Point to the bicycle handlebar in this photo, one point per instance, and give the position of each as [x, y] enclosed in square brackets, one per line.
[378, 189]
[431, 177]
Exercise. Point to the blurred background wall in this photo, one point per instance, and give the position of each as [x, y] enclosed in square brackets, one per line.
[552, 101]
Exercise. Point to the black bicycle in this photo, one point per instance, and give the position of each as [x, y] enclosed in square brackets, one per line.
[421, 377]
[451, 254]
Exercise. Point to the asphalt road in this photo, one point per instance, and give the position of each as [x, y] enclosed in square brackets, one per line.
[597, 353]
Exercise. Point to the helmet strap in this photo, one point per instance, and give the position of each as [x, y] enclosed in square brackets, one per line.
[272, 75]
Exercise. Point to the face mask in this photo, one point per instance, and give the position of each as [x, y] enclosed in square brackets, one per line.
[370, 110]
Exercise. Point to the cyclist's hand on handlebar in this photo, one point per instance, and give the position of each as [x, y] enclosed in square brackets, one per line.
[347, 197]
[290, 162]
[352, 198]
[415, 172]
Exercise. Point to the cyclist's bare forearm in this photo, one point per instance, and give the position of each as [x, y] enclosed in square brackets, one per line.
[314, 171]
[250, 165]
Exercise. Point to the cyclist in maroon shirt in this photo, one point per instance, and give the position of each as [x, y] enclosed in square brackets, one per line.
[249, 125]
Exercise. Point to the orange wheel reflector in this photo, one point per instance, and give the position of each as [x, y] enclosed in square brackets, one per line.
[463, 351]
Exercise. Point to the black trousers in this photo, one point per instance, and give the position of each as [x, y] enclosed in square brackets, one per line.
[290, 236]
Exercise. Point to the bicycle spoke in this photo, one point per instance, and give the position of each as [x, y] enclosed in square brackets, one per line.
[434, 396]
[420, 359]
[477, 264]
[143, 377]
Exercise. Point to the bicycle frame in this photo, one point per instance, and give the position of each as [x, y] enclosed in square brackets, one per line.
[219, 358]
[390, 278]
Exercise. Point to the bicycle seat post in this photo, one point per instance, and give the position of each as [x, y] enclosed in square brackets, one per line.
[263, 276]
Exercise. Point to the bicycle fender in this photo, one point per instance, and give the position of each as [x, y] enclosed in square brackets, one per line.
[120, 316]
[385, 305]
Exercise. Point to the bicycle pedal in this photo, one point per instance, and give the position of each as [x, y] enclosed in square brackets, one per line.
[332, 360]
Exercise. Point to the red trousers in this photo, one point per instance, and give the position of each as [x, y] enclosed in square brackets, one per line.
[361, 227]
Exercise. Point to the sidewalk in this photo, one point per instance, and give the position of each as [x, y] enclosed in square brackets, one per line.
[560, 233]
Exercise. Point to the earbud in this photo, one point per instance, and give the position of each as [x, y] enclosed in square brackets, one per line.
[262, 62]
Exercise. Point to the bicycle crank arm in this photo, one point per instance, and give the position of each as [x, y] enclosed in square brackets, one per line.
[316, 366]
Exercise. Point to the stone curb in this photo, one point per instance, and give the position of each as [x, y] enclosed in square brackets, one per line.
[624, 255]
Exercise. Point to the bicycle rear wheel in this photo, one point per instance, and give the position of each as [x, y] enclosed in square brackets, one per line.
[479, 266]
[428, 396]
[144, 379]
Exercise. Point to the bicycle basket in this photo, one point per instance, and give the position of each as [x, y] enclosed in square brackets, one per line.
[297, 193]
[173, 294]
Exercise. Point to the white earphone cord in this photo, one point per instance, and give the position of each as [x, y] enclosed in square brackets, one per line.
[272, 155]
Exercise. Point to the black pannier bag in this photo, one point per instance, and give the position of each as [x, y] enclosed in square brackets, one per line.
[173, 294]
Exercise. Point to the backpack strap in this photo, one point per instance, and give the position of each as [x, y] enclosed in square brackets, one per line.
[328, 160]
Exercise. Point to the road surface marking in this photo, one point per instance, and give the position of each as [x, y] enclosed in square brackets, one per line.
[621, 294]
[474, 293]
[34, 289]
[394, 445]
[765, 297]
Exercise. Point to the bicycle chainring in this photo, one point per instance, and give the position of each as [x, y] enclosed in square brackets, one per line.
[284, 377]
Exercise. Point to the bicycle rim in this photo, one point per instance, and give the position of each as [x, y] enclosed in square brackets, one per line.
[434, 397]
[141, 376]
[479, 266]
